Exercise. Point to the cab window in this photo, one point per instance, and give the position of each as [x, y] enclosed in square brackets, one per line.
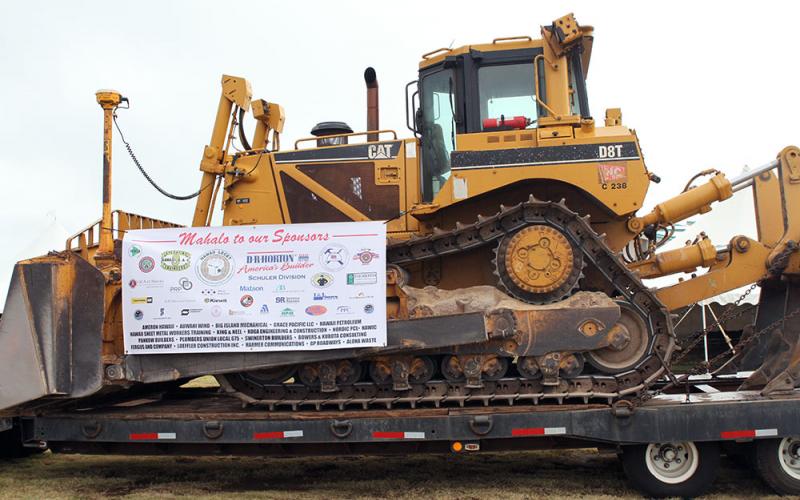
[507, 91]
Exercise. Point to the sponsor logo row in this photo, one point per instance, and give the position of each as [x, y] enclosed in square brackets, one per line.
[217, 311]
[217, 266]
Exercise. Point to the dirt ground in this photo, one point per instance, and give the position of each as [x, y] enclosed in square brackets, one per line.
[584, 474]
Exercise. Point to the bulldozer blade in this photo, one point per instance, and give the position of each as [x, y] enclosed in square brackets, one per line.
[780, 365]
[786, 380]
[777, 357]
[51, 331]
[770, 306]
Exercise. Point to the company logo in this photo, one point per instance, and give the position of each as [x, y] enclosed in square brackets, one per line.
[287, 312]
[216, 311]
[134, 250]
[251, 288]
[161, 312]
[146, 283]
[232, 312]
[147, 264]
[175, 260]
[246, 300]
[379, 151]
[287, 300]
[213, 300]
[369, 308]
[184, 285]
[334, 257]
[365, 256]
[283, 289]
[264, 309]
[362, 278]
[612, 173]
[215, 267]
[324, 296]
[186, 312]
[360, 295]
[270, 258]
[212, 291]
[322, 280]
[343, 310]
[142, 300]
[138, 314]
[316, 310]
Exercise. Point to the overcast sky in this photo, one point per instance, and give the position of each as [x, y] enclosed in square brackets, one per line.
[705, 84]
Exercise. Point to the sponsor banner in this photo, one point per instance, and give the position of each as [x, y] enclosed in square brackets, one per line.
[254, 288]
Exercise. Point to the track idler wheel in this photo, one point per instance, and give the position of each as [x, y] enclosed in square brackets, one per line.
[329, 375]
[538, 264]
[628, 339]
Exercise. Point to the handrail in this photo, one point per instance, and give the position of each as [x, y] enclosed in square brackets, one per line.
[536, 87]
[428, 55]
[121, 222]
[511, 39]
[351, 134]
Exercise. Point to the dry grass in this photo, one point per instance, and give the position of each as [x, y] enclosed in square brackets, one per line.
[555, 474]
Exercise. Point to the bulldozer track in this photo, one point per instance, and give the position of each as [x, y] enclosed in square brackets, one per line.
[486, 231]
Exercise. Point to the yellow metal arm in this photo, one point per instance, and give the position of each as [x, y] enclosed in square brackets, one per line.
[235, 90]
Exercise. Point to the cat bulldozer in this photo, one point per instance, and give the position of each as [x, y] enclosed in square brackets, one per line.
[516, 252]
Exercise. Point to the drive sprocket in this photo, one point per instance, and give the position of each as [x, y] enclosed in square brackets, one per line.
[538, 264]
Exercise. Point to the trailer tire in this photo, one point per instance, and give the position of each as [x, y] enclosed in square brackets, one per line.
[773, 460]
[688, 471]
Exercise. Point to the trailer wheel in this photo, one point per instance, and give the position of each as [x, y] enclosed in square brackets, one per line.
[778, 463]
[675, 469]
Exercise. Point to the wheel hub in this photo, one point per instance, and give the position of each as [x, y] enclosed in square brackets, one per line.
[789, 455]
[539, 259]
[672, 463]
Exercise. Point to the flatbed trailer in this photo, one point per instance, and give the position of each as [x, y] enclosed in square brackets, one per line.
[685, 432]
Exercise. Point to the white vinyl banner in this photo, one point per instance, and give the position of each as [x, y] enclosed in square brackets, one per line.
[254, 288]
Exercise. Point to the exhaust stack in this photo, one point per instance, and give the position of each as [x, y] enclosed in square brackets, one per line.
[371, 79]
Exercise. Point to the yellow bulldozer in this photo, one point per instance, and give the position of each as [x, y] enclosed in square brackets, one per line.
[515, 255]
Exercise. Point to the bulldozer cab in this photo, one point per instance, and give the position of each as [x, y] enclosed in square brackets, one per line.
[485, 88]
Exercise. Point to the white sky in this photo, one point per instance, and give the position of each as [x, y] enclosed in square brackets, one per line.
[705, 84]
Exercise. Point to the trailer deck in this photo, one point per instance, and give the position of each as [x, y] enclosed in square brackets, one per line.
[200, 421]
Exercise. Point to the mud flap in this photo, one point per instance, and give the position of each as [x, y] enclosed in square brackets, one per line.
[51, 331]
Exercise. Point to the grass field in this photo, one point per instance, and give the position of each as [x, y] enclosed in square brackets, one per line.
[553, 474]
